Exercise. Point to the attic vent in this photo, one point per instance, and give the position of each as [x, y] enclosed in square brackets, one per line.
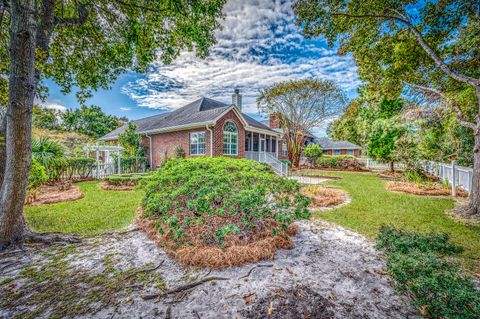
[237, 99]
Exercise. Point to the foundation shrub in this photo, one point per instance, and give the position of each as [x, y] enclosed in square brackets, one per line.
[220, 202]
[423, 267]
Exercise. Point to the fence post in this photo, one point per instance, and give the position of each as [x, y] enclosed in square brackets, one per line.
[454, 179]
[119, 159]
[470, 180]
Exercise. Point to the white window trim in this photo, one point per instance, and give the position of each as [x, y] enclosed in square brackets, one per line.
[204, 142]
[223, 139]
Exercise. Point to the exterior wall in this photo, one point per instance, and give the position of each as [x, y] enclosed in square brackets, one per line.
[356, 152]
[218, 135]
[164, 144]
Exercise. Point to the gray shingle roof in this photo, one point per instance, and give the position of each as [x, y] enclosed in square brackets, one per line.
[199, 111]
[326, 143]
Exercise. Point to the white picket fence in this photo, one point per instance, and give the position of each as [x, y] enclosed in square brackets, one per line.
[373, 164]
[456, 176]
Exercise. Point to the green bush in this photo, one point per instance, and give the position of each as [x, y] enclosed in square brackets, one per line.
[312, 152]
[286, 162]
[179, 152]
[225, 195]
[50, 154]
[124, 179]
[37, 175]
[439, 287]
[78, 167]
[133, 164]
[338, 161]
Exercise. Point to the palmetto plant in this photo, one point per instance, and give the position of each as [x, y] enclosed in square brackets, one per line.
[50, 154]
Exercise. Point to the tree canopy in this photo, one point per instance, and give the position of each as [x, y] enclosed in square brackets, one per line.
[301, 106]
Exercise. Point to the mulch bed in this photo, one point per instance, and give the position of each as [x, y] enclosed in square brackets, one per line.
[426, 190]
[106, 186]
[50, 194]
[358, 170]
[323, 196]
[259, 244]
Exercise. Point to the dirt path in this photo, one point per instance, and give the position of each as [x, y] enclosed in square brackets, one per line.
[331, 273]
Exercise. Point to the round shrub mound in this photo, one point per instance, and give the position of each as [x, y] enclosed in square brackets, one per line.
[218, 212]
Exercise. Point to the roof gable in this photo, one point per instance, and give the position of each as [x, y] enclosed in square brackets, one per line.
[199, 112]
[327, 143]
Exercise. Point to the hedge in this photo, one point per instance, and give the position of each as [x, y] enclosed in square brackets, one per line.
[124, 179]
[338, 161]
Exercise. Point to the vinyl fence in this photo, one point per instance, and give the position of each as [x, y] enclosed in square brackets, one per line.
[456, 176]
[372, 164]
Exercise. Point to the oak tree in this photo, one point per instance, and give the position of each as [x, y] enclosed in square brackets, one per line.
[85, 44]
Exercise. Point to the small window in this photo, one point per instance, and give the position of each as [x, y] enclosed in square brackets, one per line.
[350, 152]
[230, 139]
[197, 143]
[336, 152]
[284, 149]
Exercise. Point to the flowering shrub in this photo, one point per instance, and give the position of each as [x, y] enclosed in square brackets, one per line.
[338, 161]
[220, 202]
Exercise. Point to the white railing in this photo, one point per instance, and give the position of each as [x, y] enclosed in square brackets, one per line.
[101, 170]
[269, 158]
[456, 176]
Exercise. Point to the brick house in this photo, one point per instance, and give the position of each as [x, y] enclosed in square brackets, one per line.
[330, 147]
[206, 127]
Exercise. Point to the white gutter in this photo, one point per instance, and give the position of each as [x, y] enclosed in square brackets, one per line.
[211, 139]
[150, 151]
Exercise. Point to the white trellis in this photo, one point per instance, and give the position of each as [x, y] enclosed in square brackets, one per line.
[108, 166]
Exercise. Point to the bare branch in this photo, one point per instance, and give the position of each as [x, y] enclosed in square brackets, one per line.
[449, 102]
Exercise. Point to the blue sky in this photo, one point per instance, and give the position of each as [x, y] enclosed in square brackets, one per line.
[258, 45]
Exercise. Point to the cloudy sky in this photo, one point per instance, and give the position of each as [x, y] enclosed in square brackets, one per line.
[258, 45]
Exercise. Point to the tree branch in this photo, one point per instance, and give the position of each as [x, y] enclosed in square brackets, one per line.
[72, 22]
[449, 101]
[430, 52]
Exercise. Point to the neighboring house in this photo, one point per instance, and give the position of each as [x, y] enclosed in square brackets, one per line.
[205, 127]
[330, 147]
[275, 123]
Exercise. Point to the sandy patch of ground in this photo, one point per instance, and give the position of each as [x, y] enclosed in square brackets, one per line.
[330, 273]
[50, 194]
[420, 189]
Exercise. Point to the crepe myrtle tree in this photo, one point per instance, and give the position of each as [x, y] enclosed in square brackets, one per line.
[301, 105]
[430, 48]
[85, 44]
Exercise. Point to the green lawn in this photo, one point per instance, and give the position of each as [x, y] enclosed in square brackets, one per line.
[372, 206]
[97, 212]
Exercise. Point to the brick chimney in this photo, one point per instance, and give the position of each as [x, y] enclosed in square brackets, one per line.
[274, 121]
[237, 99]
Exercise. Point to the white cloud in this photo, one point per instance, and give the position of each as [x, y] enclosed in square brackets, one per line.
[54, 106]
[126, 108]
[258, 46]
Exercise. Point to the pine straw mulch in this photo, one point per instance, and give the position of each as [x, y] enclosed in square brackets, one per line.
[430, 189]
[108, 187]
[323, 196]
[50, 194]
[258, 244]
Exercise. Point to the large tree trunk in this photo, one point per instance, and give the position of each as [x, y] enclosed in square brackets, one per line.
[19, 121]
[472, 208]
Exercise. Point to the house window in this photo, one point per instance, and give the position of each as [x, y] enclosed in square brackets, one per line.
[336, 152]
[230, 139]
[197, 143]
[325, 152]
[284, 149]
[350, 152]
